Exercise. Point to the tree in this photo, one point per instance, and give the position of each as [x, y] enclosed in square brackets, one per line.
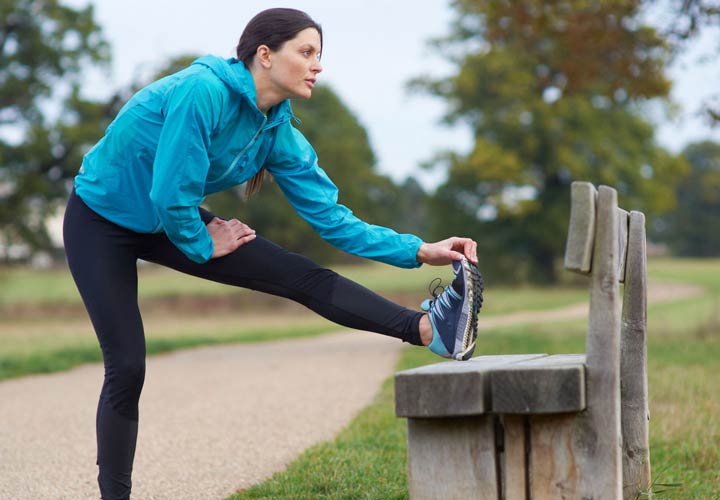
[687, 19]
[553, 92]
[691, 229]
[345, 153]
[44, 45]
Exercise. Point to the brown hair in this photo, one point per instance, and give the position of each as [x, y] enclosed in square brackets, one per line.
[271, 27]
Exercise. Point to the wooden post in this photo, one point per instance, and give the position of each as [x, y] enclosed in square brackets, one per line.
[452, 459]
[597, 440]
[633, 366]
[514, 459]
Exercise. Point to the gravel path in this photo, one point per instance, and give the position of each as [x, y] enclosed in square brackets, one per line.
[213, 420]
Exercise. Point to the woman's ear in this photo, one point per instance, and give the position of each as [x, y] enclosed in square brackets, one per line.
[263, 55]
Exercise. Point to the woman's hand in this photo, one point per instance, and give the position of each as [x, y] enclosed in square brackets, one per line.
[445, 251]
[228, 236]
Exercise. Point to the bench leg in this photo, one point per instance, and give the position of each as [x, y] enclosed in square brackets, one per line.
[514, 458]
[452, 458]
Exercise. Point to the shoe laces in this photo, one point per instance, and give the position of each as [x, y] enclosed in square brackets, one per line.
[433, 287]
[440, 301]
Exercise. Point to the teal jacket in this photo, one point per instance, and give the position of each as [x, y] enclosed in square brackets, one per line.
[198, 132]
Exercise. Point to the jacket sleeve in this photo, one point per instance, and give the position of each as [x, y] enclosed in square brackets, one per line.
[293, 164]
[181, 165]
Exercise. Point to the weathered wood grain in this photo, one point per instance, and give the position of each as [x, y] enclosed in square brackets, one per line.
[556, 468]
[513, 477]
[597, 440]
[592, 443]
[623, 221]
[633, 365]
[581, 230]
[452, 458]
[551, 384]
[449, 389]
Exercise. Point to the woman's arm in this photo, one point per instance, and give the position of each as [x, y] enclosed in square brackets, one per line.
[181, 165]
[312, 194]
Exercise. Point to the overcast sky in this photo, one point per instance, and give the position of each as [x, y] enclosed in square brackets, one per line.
[372, 48]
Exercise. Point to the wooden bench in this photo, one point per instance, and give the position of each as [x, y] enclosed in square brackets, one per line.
[569, 426]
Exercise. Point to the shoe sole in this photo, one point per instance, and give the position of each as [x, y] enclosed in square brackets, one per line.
[475, 298]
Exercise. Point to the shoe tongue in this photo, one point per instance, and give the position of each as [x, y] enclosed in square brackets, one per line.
[458, 283]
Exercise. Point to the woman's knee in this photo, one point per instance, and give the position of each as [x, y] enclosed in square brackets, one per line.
[125, 381]
[316, 281]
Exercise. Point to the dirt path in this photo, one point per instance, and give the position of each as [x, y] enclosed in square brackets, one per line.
[213, 420]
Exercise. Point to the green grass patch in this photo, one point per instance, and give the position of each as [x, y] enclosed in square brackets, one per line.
[697, 271]
[64, 358]
[44, 345]
[368, 458]
[684, 359]
[22, 286]
[19, 285]
[366, 461]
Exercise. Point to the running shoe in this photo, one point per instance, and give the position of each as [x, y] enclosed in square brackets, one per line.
[453, 312]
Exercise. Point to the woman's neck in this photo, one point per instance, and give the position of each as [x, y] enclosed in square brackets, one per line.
[265, 94]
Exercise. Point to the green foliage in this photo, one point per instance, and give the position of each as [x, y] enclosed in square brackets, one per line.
[553, 93]
[44, 47]
[344, 152]
[691, 229]
[687, 21]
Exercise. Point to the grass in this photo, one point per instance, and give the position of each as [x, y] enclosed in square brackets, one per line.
[53, 358]
[367, 459]
[37, 342]
[22, 286]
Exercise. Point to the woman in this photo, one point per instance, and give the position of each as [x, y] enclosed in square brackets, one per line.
[217, 124]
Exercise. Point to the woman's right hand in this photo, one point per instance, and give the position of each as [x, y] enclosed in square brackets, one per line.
[228, 235]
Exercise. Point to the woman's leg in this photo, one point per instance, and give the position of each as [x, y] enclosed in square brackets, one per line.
[264, 266]
[102, 261]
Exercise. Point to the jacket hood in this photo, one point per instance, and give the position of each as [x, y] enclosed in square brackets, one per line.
[236, 76]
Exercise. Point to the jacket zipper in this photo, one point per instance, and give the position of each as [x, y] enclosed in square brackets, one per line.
[242, 151]
[265, 126]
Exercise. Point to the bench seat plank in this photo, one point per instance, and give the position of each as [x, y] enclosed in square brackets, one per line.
[509, 384]
[451, 388]
[552, 384]
[512, 384]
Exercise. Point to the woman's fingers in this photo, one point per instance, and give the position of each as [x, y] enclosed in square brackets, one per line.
[445, 251]
[239, 229]
[467, 247]
[229, 235]
[245, 239]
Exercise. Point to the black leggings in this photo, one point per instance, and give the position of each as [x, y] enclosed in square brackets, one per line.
[103, 258]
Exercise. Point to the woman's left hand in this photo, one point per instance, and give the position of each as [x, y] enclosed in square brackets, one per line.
[444, 252]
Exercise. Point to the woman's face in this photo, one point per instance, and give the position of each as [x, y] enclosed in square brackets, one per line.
[296, 65]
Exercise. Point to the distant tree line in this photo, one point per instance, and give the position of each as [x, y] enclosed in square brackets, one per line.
[552, 91]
